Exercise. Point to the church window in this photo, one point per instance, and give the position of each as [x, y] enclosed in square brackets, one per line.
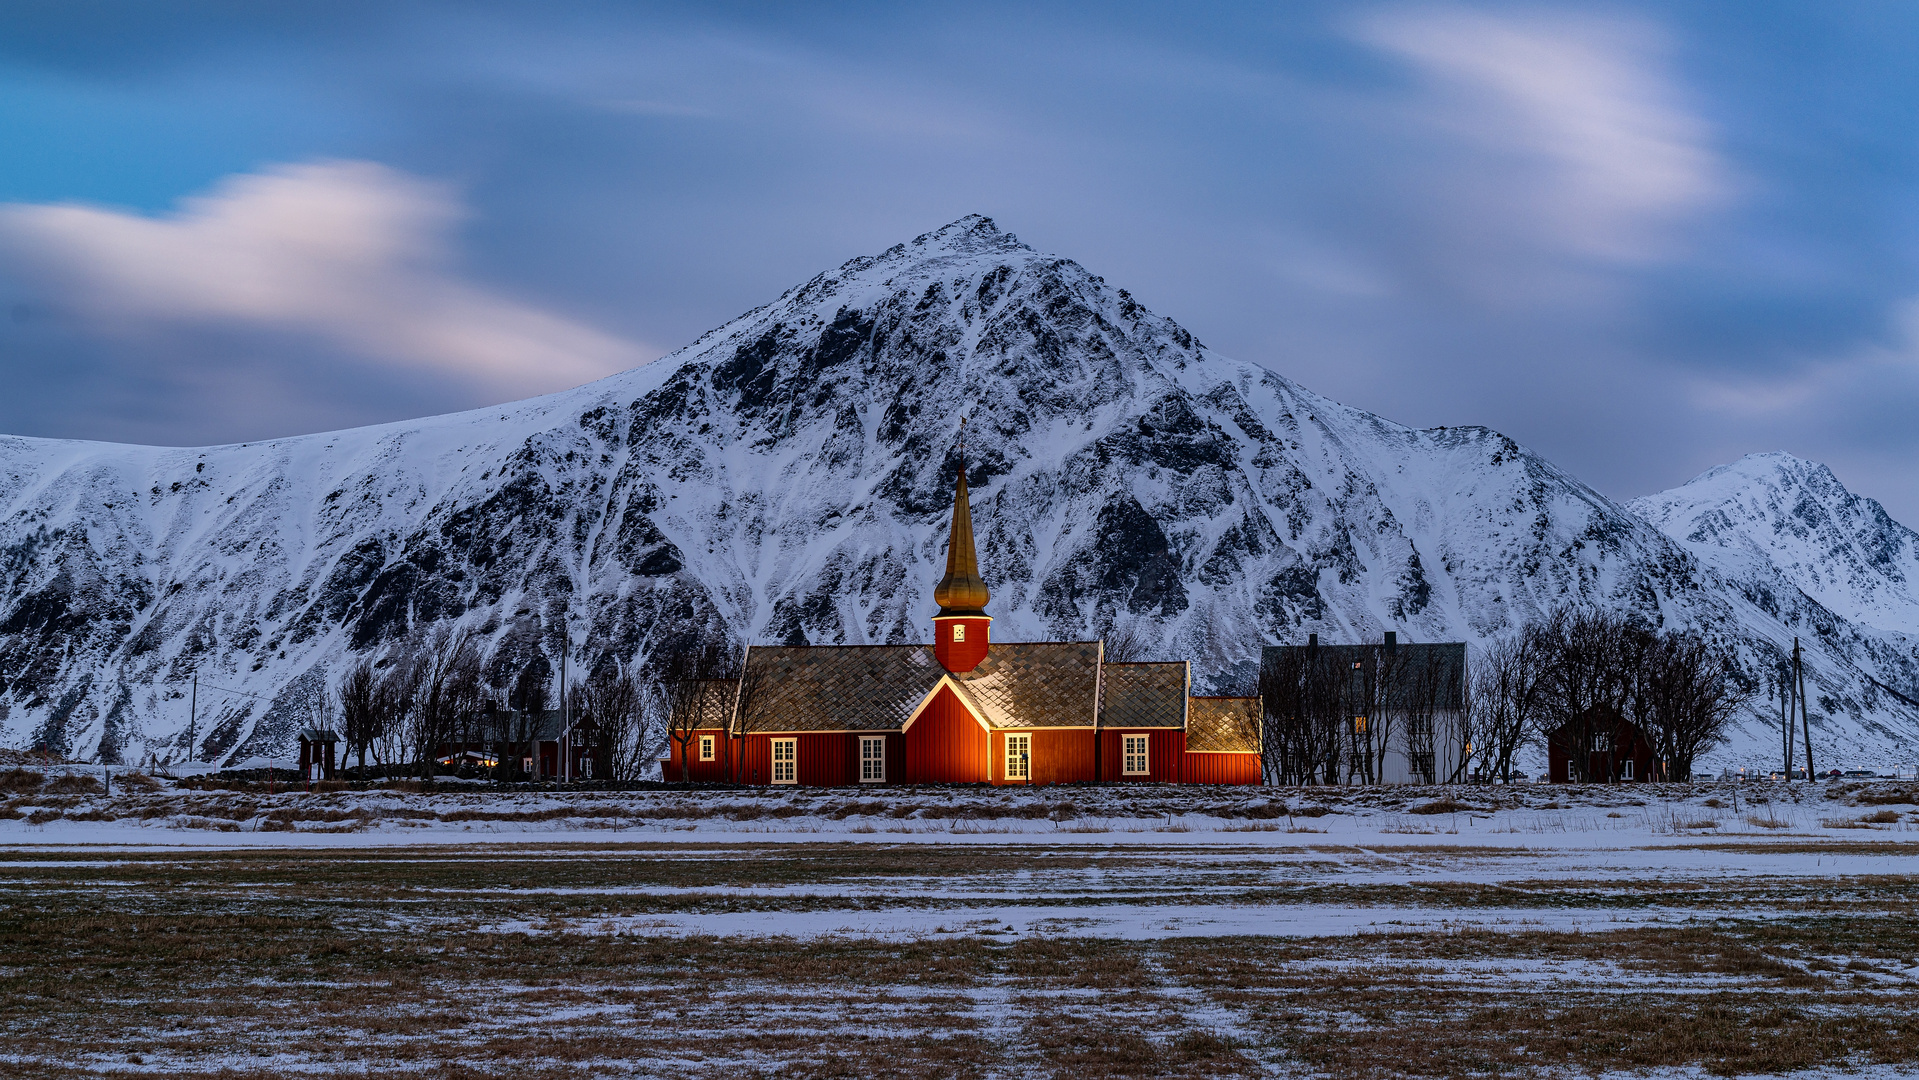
[785, 767]
[959, 631]
[1135, 764]
[706, 748]
[872, 760]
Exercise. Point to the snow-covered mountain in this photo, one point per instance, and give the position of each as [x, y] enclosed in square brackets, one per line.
[1778, 512]
[786, 477]
[1785, 536]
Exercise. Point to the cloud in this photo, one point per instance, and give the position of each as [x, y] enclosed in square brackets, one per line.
[350, 253]
[1608, 156]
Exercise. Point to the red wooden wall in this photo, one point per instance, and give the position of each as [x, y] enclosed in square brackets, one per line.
[1058, 757]
[1221, 768]
[895, 759]
[945, 745]
[825, 759]
[705, 772]
[756, 760]
[1165, 747]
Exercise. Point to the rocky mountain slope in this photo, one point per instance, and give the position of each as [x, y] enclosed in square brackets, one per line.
[1776, 512]
[785, 478]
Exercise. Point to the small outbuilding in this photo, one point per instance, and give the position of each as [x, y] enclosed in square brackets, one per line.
[317, 752]
[1613, 748]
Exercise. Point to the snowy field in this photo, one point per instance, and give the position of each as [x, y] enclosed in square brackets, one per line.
[1716, 929]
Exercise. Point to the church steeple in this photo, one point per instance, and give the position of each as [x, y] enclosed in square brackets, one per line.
[960, 628]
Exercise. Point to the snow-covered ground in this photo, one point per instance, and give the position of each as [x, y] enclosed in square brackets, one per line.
[1718, 929]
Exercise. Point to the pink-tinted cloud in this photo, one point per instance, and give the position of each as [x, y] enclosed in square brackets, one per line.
[350, 252]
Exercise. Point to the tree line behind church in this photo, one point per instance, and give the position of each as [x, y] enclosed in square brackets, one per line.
[1561, 683]
[424, 705]
[1556, 682]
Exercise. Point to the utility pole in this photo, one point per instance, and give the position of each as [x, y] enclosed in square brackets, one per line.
[1783, 680]
[1805, 722]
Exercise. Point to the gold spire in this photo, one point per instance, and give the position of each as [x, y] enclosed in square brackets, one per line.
[961, 592]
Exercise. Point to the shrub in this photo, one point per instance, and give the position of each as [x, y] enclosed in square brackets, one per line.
[21, 781]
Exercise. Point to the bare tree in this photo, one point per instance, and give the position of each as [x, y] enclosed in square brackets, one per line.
[1505, 695]
[1426, 685]
[450, 691]
[360, 714]
[609, 715]
[394, 701]
[1585, 656]
[1378, 692]
[1284, 718]
[1125, 644]
[1304, 713]
[685, 674]
[527, 698]
[750, 687]
[1684, 697]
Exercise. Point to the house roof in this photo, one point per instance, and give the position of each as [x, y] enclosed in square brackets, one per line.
[711, 700]
[1222, 725]
[877, 687]
[539, 725]
[1144, 695]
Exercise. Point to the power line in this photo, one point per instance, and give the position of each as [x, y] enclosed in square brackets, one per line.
[242, 693]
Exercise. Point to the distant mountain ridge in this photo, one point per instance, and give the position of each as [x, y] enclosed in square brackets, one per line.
[1840, 549]
[784, 478]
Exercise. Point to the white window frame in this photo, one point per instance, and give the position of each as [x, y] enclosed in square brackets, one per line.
[1625, 769]
[959, 631]
[791, 773]
[707, 743]
[1134, 762]
[1019, 757]
[872, 759]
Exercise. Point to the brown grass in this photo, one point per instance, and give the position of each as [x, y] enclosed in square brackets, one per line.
[382, 963]
[73, 784]
[1442, 806]
[21, 781]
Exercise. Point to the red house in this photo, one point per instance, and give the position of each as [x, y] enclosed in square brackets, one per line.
[962, 710]
[1614, 748]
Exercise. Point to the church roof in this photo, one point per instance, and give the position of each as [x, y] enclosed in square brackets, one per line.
[1223, 724]
[1144, 695]
[877, 687]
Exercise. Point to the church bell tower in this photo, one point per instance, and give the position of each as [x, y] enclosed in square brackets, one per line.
[960, 629]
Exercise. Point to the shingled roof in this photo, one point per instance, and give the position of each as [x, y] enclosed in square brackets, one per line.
[1222, 725]
[1144, 695]
[877, 687]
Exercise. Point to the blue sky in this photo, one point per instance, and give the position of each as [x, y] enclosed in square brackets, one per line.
[1643, 239]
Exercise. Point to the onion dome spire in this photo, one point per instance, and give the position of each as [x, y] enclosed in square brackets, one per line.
[961, 592]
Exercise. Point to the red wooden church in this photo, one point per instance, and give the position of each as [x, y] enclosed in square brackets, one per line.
[964, 710]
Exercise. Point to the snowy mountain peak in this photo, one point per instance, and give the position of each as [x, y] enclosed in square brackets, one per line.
[970, 235]
[787, 479]
[1774, 511]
